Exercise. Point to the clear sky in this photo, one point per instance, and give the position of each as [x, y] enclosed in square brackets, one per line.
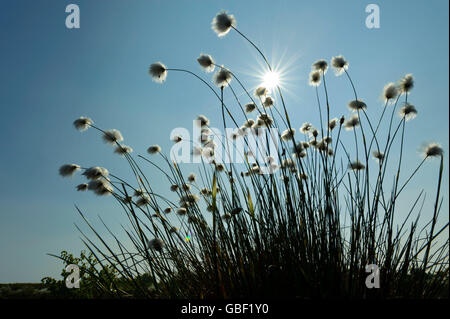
[51, 75]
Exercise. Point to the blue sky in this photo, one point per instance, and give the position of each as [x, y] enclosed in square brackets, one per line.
[52, 75]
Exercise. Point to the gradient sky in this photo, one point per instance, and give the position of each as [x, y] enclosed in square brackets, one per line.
[51, 75]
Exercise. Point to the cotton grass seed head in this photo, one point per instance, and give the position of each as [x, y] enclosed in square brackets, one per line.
[432, 150]
[390, 92]
[332, 124]
[123, 149]
[202, 121]
[379, 156]
[339, 64]
[112, 136]
[206, 62]
[408, 112]
[95, 172]
[320, 65]
[268, 101]
[100, 187]
[158, 72]
[222, 77]
[352, 122]
[222, 23]
[314, 78]
[250, 107]
[82, 187]
[143, 201]
[406, 83]
[191, 178]
[177, 139]
[287, 134]
[67, 170]
[357, 105]
[154, 149]
[356, 166]
[156, 244]
[82, 123]
[306, 128]
[260, 92]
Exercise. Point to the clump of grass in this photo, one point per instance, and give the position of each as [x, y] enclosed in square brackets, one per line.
[307, 228]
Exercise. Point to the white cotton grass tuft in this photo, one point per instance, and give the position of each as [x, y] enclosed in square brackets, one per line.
[202, 121]
[406, 83]
[82, 123]
[82, 187]
[333, 123]
[339, 64]
[143, 200]
[378, 155]
[154, 149]
[100, 187]
[268, 101]
[260, 91]
[356, 105]
[306, 128]
[321, 66]
[181, 211]
[352, 122]
[206, 62]
[390, 92]
[123, 149]
[112, 136]
[67, 170]
[287, 134]
[408, 112]
[95, 172]
[222, 23]
[191, 178]
[432, 150]
[264, 120]
[177, 139]
[156, 244]
[314, 78]
[222, 77]
[356, 165]
[158, 72]
[250, 107]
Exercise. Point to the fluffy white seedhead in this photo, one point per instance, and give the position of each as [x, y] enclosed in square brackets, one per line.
[250, 107]
[222, 23]
[123, 149]
[352, 122]
[306, 128]
[314, 78]
[95, 172]
[332, 124]
[112, 136]
[82, 187]
[202, 121]
[222, 78]
[67, 170]
[154, 149]
[158, 72]
[268, 101]
[143, 200]
[261, 91]
[100, 187]
[408, 112]
[406, 84]
[339, 64]
[82, 123]
[356, 166]
[433, 150]
[206, 62]
[156, 244]
[390, 91]
[287, 134]
[320, 65]
[191, 178]
[264, 120]
[357, 105]
[378, 155]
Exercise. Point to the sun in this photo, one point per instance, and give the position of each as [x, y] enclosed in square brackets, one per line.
[271, 80]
